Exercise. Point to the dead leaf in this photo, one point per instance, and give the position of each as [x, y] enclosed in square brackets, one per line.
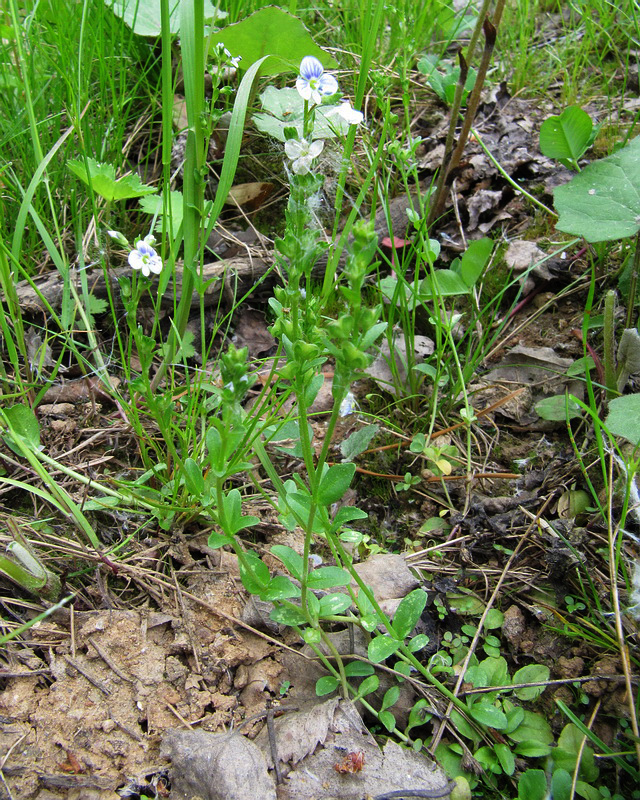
[251, 332]
[216, 767]
[252, 195]
[299, 733]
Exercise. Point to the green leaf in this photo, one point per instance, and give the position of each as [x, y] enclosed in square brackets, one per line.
[408, 613]
[448, 284]
[256, 579]
[143, 16]
[288, 615]
[558, 408]
[368, 686]
[489, 715]
[567, 136]
[463, 726]
[505, 757]
[328, 577]
[474, 261]
[358, 669]
[216, 540]
[390, 697]
[193, 477]
[96, 305]
[532, 749]
[561, 784]
[532, 673]
[569, 747]
[25, 423]
[312, 636]
[334, 483]
[332, 604]
[358, 442]
[515, 717]
[347, 514]
[623, 418]
[102, 178]
[326, 685]
[418, 642]
[290, 558]
[602, 203]
[280, 588]
[532, 785]
[382, 647]
[583, 789]
[271, 31]
[388, 720]
[494, 619]
[533, 726]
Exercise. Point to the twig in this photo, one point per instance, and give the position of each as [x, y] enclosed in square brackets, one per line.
[108, 661]
[87, 675]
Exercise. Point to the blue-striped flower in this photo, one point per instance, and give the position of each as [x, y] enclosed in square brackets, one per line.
[145, 258]
[312, 83]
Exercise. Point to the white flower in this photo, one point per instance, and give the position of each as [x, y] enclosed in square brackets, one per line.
[144, 257]
[312, 83]
[347, 112]
[118, 237]
[302, 153]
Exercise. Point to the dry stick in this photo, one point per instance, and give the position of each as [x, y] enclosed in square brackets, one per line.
[438, 736]
[615, 597]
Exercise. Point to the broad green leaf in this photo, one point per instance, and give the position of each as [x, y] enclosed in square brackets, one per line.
[326, 685]
[280, 588]
[505, 757]
[515, 717]
[489, 715]
[532, 785]
[494, 619]
[193, 477]
[271, 31]
[358, 442]
[532, 673]
[408, 613]
[561, 784]
[567, 136]
[558, 408]
[534, 727]
[143, 16]
[390, 697]
[476, 676]
[368, 685]
[358, 669]
[532, 749]
[290, 558]
[102, 178]
[463, 727]
[496, 670]
[256, 578]
[216, 540]
[328, 577]
[332, 604]
[448, 284]
[602, 203]
[388, 720]
[347, 514]
[382, 647]
[334, 483]
[623, 418]
[474, 261]
[25, 423]
[287, 615]
[566, 753]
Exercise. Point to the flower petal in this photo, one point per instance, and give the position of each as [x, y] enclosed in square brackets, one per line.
[304, 90]
[294, 148]
[328, 85]
[302, 165]
[315, 148]
[310, 68]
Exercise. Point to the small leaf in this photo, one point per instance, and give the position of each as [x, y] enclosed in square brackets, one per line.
[328, 577]
[558, 408]
[489, 715]
[332, 604]
[408, 613]
[494, 619]
[532, 785]
[532, 673]
[347, 514]
[381, 648]
[256, 579]
[358, 442]
[532, 749]
[25, 423]
[290, 558]
[334, 483]
[217, 540]
[288, 615]
[561, 784]
[533, 726]
[388, 720]
[193, 477]
[326, 685]
[358, 669]
[418, 642]
[390, 697]
[624, 417]
[566, 137]
[312, 635]
[475, 259]
[280, 588]
[368, 686]
[505, 757]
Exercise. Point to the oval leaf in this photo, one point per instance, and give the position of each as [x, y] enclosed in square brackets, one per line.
[382, 647]
[408, 613]
[488, 715]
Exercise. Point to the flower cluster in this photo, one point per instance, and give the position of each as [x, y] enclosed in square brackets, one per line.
[313, 84]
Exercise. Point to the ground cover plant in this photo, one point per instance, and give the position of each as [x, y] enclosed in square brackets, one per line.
[319, 361]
